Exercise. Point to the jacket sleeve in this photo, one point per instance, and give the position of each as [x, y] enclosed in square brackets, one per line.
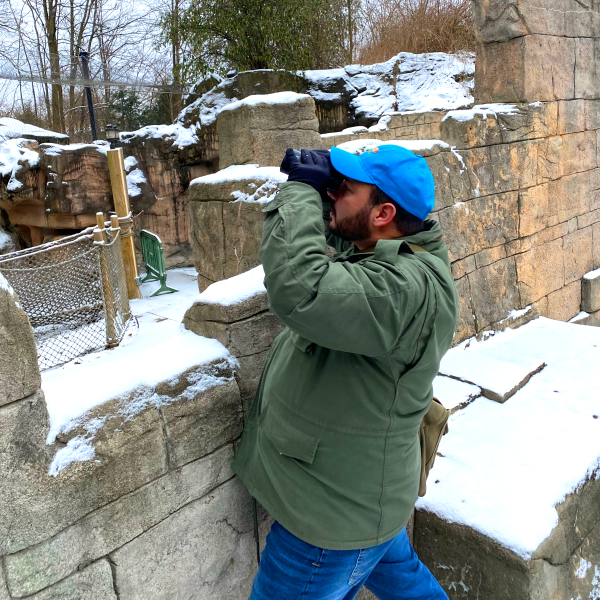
[351, 307]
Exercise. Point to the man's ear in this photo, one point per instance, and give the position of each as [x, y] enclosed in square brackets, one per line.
[384, 214]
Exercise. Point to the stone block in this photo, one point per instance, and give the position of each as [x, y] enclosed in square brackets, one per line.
[465, 326]
[460, 268]
[502, 20]
[479, 170]
[469, 129]
[579, 152]
[242, 338]
[549, 159]
[533, 210]
[242, 224]
[416, 126]
[208, 239]
[259, 132]
[197, 425]
[93, 583]
[571, 196]
[565, 303]
[532, 121]
[35, 505]
[571, 116]
[479, 224]
[441, 175]
[514, 165]
[206, 547]
[526, 69]
[469, 565]
[227, 313]
[540, 271]
[458, 174]
[19, 371]
[577, 250]
[112, 526]
[590, 292]
[588, 219]
[587, 51]
[592, 115]
[248, 376]
[494, 292]
[489, 256]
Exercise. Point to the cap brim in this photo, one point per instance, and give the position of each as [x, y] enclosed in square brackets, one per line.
[348, 164]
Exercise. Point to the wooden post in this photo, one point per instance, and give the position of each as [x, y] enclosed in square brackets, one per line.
[116, 167]
[100, 226]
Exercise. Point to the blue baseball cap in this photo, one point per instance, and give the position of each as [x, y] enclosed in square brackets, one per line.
[402, 175]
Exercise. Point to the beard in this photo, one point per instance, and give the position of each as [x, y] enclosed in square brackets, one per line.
[354, 228]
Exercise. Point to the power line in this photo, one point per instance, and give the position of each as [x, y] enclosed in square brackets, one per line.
[95, 83]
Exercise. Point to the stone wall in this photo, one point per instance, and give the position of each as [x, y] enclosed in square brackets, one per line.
[153, 513]
[516, 195]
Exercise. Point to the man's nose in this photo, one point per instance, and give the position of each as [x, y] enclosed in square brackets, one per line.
[333, 195]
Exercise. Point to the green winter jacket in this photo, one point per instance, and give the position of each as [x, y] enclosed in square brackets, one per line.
[331, 446]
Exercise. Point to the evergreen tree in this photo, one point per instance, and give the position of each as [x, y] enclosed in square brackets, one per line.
[256, 34]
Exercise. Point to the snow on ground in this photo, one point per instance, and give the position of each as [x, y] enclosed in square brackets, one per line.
[453, 393]
[506, 466]
[158, 349]
[235, 289]
[7, 244]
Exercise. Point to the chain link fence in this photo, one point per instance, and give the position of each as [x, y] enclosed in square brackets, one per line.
[74, 292]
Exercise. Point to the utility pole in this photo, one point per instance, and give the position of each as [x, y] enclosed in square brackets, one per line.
[84, 57]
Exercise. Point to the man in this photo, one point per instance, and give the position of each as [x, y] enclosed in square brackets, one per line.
[331, 447]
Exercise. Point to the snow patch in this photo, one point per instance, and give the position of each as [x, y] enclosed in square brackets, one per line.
[79, 449]
[235, 289]
[134, 179]
[416, 146]
[584, 567]
[176, 133]
[277, 98]
[592, 275]
[482, 110]
[243, 172]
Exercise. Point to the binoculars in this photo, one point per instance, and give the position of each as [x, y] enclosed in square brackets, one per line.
[336, 177]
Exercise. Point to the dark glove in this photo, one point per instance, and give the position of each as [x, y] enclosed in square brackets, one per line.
[312, 167]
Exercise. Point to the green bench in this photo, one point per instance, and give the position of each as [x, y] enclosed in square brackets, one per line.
[153, 256]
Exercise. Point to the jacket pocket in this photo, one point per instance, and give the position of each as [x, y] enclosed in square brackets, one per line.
[287, 439]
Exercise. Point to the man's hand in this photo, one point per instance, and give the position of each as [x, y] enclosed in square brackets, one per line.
[313, 167]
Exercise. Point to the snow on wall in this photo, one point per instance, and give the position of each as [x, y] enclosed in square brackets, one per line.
[13, 154]
[140, 372]
[13, 128]
[407, 82]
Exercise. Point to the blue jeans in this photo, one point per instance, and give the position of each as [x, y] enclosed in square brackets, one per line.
[291, 569]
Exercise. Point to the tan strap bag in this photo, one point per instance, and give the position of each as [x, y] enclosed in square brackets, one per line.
[433, 427]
